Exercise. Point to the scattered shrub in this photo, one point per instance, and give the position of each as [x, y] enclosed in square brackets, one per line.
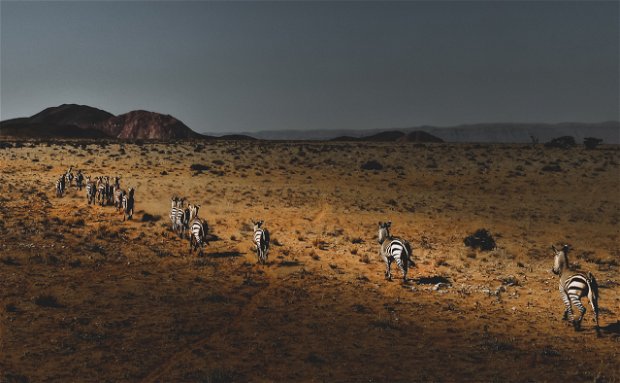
[564, 142]
[199, 167]
[372, 165]
[481, 239]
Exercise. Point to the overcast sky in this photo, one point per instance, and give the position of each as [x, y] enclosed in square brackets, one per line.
[248, 66]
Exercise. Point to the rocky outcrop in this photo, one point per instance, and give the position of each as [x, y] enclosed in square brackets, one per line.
[140, 124]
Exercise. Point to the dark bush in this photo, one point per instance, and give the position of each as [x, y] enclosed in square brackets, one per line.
[199, 167]
[146, 217]
[481, 239]
[564, 142]
[372, 165]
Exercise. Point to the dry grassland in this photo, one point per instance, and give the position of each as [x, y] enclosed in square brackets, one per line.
[86, 297]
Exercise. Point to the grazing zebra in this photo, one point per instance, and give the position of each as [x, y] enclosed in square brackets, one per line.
[573, 287]
[91, 190]
[60, 186]
[128, 203]
[261, 239]
[79, 179]
[394, 249]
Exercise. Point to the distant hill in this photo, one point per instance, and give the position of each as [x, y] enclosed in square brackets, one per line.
[387, 136]
[483, 133]
[81, 121]
[82, 116]
[393, 136]
[419, 136]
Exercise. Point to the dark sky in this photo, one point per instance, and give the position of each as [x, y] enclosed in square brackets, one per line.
[248, 66]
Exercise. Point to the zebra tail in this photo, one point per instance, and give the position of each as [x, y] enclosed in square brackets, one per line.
[409, 254]
[593, 285]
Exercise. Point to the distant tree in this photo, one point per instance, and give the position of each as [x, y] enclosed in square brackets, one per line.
[564, 142]
[592, 142]
[534, 139]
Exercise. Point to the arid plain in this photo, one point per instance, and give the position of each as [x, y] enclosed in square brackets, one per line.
[86, 297]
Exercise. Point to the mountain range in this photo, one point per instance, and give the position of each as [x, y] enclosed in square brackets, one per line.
[81, 121]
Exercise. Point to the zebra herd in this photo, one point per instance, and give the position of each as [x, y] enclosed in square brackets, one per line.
[185, 219]
[99, 191]
[186, 223]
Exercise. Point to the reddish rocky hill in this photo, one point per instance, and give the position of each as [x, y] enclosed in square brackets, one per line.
[140, 124]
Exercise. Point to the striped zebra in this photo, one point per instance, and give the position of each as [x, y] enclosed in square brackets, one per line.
[101, 191]
[60, 186]
[198, 230]
[79, 179]
[183, 220]
[261, 240]
[69, 176]
[573, 287]
[128, 203]
[394, 250]
[119, 194]
[176, 212]
[91, 190]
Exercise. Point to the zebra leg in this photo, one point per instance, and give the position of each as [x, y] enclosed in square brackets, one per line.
[577, 303]
[403, 268]
[388, 273]
[568, 311]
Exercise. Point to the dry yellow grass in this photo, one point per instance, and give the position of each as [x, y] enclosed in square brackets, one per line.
[88, 297]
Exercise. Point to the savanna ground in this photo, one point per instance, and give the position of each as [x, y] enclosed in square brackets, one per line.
[86, 297]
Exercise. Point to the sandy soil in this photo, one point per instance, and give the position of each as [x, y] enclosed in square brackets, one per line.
[86, 297]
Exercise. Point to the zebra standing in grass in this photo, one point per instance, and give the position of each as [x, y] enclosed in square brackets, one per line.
[183, 219]
[118, 198]
[261, 239]
[128, 203]
[198, 230]
[394, 250]
[79, 179]
[91, 190]
[176, 213]
[60, 186]
[173, 212]
[574, 286]
[69, 176]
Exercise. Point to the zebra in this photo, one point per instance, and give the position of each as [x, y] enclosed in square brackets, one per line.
[183, 219]
[111, 188]
[100, 190]
[128, 203]
[118, 198]
[394, 249]
[261, 239]
[176, 213]
[173, 212]
[198, 230]
[79, 179]
[60, 186]
[69, 176]
[573, 287]
[91, 190]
